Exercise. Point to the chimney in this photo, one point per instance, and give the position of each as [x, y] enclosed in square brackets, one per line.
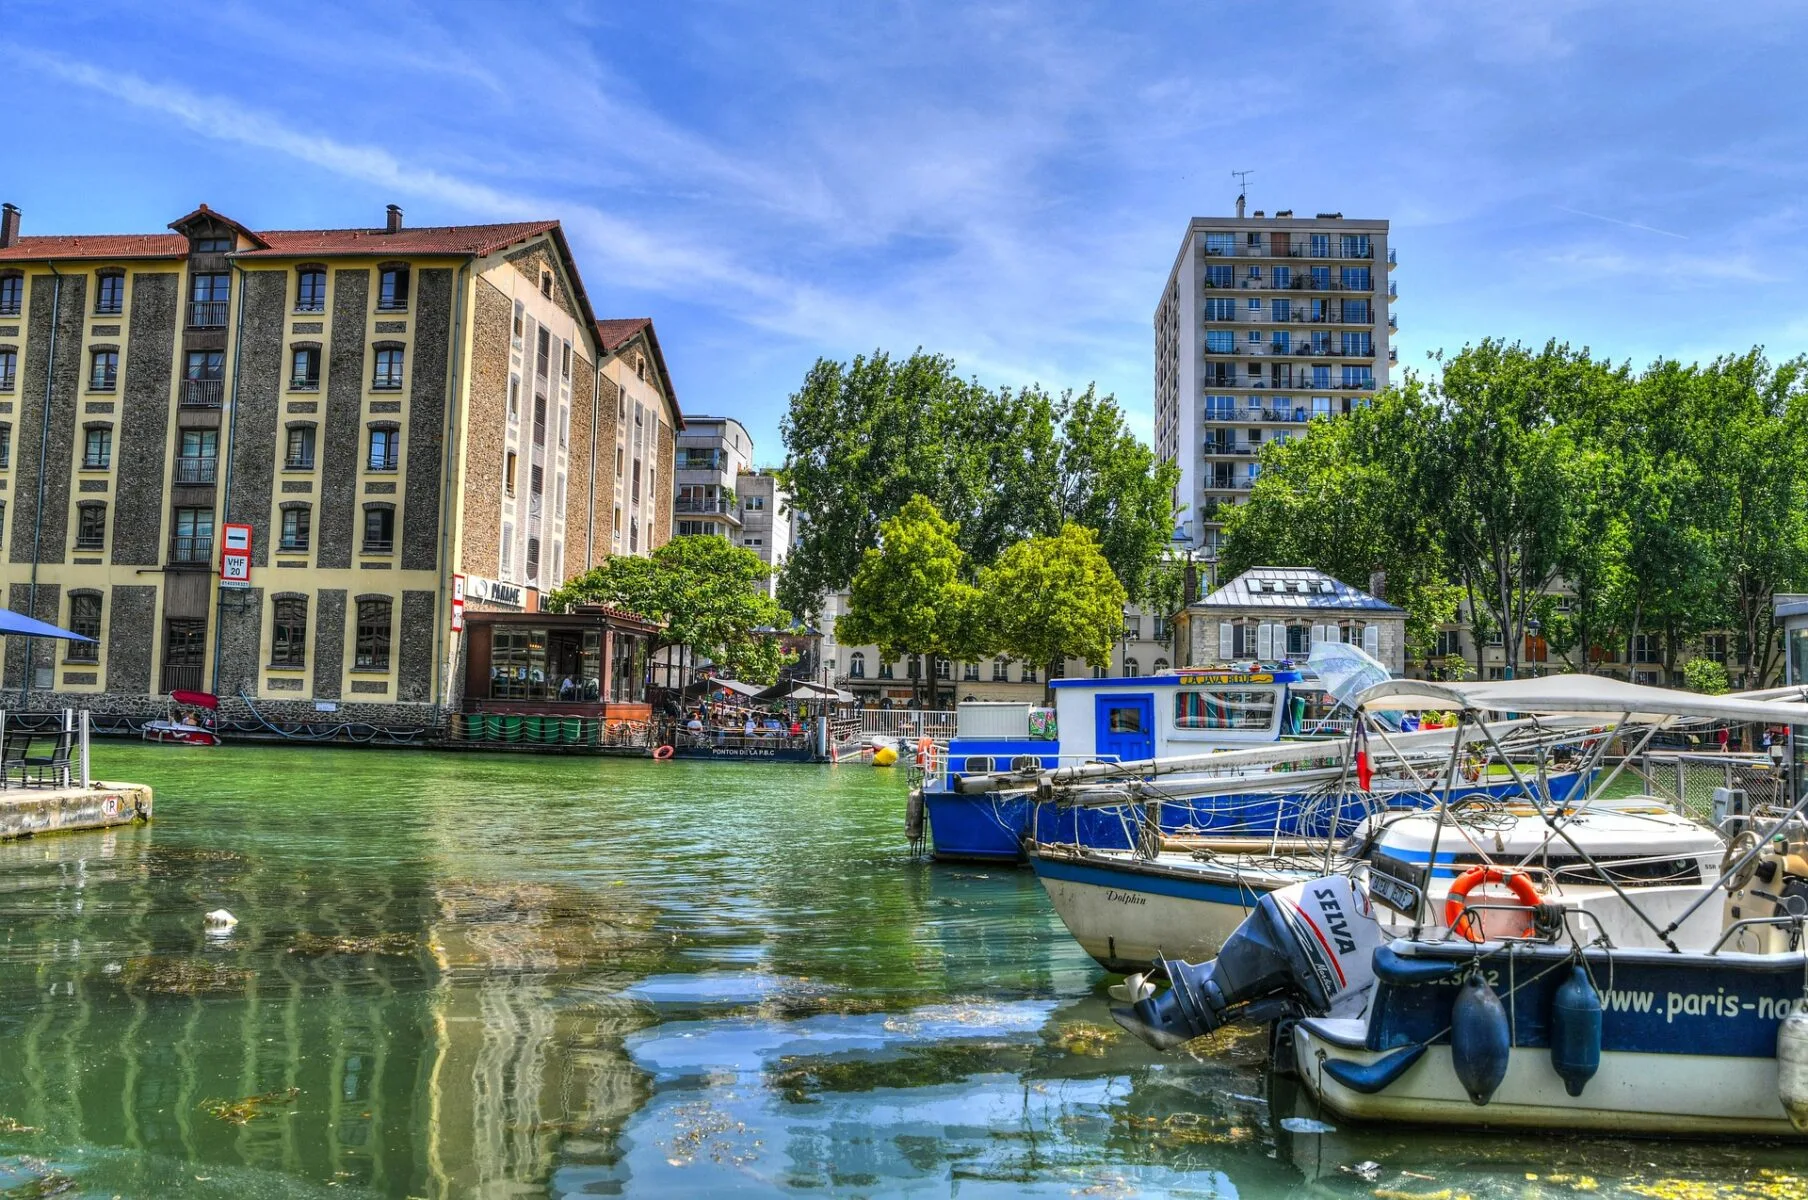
[9, 225]
[1378, 584]
[394, 224]
[1239, 205]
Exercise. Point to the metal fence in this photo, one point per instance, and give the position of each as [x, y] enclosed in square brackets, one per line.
[1688, 780]
[900, 722]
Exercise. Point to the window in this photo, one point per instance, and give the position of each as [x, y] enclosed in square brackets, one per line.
[1356, 245]
[289, 632]
[533, 559]
[12, 295]
[1321, 279]
[1132, 668]
[1029, 673]
[1281, 310]
[1001, 670]
[1220, 243]
[508, 473]
[755, 503]
[944, 669]
[1223, 709]
[1220, 408]
[379, 529]
[1281, 340]
[304, 369]
[1356, 312]
[6, 446]
[1713, 646]
[565, 360]
[1255, 308]
[385, 444]
[213, 245]
[202, 374]
[300, 453]
[1221, 309]
[634, 494]
[543, 352]
[373, 636]
[1133, 626]
[1161, 665]
[1255, 274]
[1220, 275]
[191, 537]
[1283, 277]
[207, 297]
[546, 284]
[753, 541]
[857, 665]
[9, 368]
[110, 294]
[197, 455]
[205, 364]
[103, 375]
[1354, 279]
[1360, 345]
[1321, 376]
[388, 377]
[91, 527]
[84, 618]
[310, 291]
[392, 289]
[1359, 378]
[1644, 648]
[1220, 341]
[97, 448]
[297, 520]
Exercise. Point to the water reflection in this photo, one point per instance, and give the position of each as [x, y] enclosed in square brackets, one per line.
[471, 977]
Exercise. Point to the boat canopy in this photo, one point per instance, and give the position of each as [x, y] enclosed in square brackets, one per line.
[195, 699]
[1578, 695]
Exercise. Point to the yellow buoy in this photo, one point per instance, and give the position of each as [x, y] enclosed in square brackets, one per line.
[885, 756]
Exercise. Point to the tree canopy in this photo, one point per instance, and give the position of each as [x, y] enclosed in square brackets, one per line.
[863, 437]
[704, 590]
[910, 594]
[1666, 504]
[1050, 598]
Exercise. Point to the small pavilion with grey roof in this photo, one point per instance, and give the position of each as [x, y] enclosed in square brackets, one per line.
[1272, 613]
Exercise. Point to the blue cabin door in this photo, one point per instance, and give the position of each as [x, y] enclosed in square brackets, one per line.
[1125, 726]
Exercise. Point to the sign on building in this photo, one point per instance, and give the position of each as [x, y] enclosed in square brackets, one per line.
[235, 556]
[458, 604]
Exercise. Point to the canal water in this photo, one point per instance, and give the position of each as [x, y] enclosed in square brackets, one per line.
[504, 976]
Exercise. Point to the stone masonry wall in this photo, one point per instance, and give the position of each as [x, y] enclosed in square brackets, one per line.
[426, 420]
[131, 637]
[531, 260]
[28, 428]
[608, 427]
[257, 408]
[43, 650]
[139, 443]
[486, 431]
[662, 523]
[342, 424]
[578, 498]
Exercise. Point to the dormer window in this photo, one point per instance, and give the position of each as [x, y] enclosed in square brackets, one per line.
[213, 245]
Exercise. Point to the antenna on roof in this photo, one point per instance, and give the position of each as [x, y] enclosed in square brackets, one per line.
[1242, 178]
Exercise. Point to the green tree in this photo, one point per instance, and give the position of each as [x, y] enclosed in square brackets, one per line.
[1706, 676]
[706, 592]
[1048, 599]
[908, 596]
[1112, 483]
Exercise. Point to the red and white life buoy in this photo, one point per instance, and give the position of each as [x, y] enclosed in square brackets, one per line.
[663, 753]
[1468, 924]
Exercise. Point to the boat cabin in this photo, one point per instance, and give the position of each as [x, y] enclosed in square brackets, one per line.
[591, 662]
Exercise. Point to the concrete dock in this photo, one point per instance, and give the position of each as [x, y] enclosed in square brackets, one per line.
[26, 812]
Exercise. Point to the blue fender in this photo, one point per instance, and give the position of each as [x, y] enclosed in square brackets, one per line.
[1369, 1078]
[1480, 1039]
[1576, 1031]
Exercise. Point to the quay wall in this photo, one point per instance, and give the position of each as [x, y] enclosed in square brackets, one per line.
[31, 811]
[281, 712]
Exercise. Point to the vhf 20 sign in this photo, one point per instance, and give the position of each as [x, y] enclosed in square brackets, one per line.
[235, 556]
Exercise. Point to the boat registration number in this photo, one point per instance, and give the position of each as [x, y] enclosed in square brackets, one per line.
[1396, 894]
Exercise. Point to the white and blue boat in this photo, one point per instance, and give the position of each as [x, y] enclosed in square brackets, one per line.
[1578, 987]
[1155, 722]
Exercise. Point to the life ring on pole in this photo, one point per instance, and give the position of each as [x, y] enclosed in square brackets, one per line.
[926, 754]
[1468, 924]
[663, 753]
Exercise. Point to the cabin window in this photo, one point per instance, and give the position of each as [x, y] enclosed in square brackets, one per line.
[978, 764]
[1220, 708]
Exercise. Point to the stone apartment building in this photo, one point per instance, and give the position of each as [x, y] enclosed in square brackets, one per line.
[385, 408]
[1272, 613]
[766, 523]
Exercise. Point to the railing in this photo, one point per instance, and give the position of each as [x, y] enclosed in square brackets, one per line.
[7, 381]
[196, 470]
[1294, 249]
[207, 314]
[907, 722]
[690, 505]
[386, 383]
[387, 546]
[1393, 257]
[202, 393]
[187, 549]
[302, 383]
[1688, 779]
[1393, 290]
[549, 729]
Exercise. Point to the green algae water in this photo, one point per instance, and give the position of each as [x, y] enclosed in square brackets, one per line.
[507, 976]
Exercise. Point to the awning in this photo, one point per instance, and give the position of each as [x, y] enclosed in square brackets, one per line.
[705, 686]
[18, 623]
[1578, 695]
[804, 691]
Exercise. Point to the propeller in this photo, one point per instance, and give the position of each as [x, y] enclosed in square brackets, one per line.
[1135, 988]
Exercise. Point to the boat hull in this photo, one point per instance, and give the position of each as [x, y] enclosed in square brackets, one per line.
[994, 828]
[1127, 916]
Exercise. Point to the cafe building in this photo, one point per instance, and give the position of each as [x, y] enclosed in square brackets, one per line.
[576, 678]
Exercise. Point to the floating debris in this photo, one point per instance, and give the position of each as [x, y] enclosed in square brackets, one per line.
[182, 976]
[1306, 1125]
[393, 945]
[53, 1183]
[1084, 1038]
[1368, 1172]
[240, 1112]
[219, 918]
[8, 1125]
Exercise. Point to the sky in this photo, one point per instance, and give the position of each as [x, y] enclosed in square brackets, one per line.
[1003, 183]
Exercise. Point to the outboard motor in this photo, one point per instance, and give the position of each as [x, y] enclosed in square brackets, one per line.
[1307, 950]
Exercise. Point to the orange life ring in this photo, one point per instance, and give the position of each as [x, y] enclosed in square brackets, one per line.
[1467, 924]
[663, 753]
[925, 752]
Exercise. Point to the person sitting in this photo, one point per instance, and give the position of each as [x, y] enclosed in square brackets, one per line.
[795, 727]
[695, 724]
[567, 689]
[750, 728]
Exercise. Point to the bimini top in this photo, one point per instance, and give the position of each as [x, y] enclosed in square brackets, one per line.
[1578, 695]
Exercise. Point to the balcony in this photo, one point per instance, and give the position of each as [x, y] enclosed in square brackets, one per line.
[1268, 247]
[1393, 354]
[202, 393]
[1393, 258]
[207, 314]
[196, 470]
[191, 551]
[687, 504]
[1393, 321]
[1393, 290]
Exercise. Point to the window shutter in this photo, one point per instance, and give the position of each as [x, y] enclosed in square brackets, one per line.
[1321, 633]
[1226, 648]
[1371, 639]
[1265, 641]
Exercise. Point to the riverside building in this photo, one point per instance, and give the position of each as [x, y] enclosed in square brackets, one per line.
[1265, 323]
[382, 412]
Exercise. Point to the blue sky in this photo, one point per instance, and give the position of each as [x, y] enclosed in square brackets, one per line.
[1005, 183]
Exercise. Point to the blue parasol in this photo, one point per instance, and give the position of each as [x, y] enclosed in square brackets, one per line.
[13, 622]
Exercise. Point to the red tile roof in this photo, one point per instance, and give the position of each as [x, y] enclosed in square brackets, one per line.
[617, 332]
[288, 243]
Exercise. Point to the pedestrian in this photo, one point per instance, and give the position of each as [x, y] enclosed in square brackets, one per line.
[1725, 736]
